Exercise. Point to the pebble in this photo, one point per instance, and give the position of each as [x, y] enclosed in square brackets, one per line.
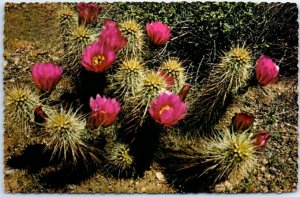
[8, 172]
[159, 176]
[265, 161]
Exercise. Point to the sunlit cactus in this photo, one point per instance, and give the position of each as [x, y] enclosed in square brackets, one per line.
[173, 66]
[227, 156]
[64, 134]
[224, 81]
[67, 19]
[79, 38]
[118, 157]
[238, 66]
[135, 36]
[152, 84]
[233, 156]
[20, 103]
[124, 82]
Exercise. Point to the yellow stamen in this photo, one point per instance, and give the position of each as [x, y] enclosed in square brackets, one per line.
[97, 60]
[166, 107]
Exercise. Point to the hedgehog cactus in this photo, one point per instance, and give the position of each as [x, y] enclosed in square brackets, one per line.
[19, 104]
[228, 156]
[79, 38]
[150, 86]
[224, 81]
[134, 34]
[118, 157]
[174, 68]
[232, 155]
[124, 82]
[64, 134]
[67, 19]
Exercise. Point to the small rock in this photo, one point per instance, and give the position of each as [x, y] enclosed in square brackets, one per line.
[8, 172]
[159, 176]
[265, 161]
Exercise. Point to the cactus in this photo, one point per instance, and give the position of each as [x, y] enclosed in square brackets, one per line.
[118, 157]
[67, 19]
[175, 69]
[64, 134]
[124, 82]
[20, 103]
[231, 155]
[224, 81]
[190, 159]
[149, 88]
[134, 34]
[79, 38]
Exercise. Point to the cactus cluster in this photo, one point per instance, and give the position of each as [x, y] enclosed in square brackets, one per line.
[125, 91]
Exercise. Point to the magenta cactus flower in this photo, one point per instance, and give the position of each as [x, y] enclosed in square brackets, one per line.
[158, 32]
[266, 70]
[242, 121]
[46, 76]
[97, 58]
[261, 138]
[111, 36]
[88, 12]
[104, 111]
[167, 109]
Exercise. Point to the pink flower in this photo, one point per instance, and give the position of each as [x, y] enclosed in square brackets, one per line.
[111, 36]
[158, 32]
[266, 71]
[46, 76]
[104, 111]
[167, 109]
[97, 58]
[242, 121]
[88, 12]
[261, 138]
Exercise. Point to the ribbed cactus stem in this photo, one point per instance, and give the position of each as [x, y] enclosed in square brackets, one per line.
[64, 134]
[20, 103]
[123, 83]
[118, 157]
[78, 39]
[67, 19]
[173, 66]
[224, 81]
[135, 36]
[228, 156]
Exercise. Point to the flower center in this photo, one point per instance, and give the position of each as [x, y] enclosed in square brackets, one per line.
[103, 112]
[166, 107]
[97, 60]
